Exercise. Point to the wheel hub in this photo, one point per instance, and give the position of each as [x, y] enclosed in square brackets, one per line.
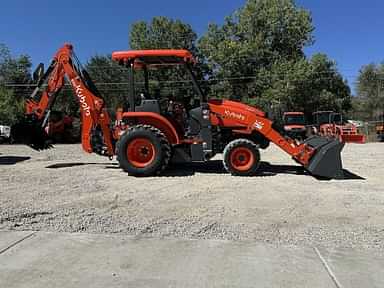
[141, 152]
[242, 159]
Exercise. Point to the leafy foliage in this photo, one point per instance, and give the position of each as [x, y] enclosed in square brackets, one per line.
[110, 78]
[162, 33]
[165, 33]
[257, 55]
[13, 71]
[370, 91]
[10, 109]
[306, 85]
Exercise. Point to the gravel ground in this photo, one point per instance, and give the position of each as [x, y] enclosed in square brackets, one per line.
[64, 189]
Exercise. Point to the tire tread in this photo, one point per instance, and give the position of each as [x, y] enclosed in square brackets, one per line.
[165, 146]
[237, 143]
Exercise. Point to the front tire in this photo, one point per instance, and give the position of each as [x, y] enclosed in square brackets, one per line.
[143, 150]
[241, 157]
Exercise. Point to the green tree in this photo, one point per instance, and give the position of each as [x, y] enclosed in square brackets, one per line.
[162, 33]
[165, 33]
[309, 85]
[111, 80]
[14, 70]
[370, 91]
[254, 38]
[10, 109]
[257, 55]
[14, 74]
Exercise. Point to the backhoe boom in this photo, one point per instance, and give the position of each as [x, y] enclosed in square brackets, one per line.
[93, 113]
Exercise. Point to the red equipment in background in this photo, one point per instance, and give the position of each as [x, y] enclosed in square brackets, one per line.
[331, 124]
[61, 128]
[380, 129]
[294, 125]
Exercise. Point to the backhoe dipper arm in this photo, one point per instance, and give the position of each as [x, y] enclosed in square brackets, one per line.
[93, 112]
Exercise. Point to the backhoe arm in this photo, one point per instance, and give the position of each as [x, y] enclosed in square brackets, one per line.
[94, 116]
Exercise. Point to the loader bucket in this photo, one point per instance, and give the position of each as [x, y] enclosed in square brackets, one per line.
[326, 162]
[353, 138]
[30, 132]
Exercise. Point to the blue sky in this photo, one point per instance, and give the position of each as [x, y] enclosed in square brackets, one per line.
[349, 31]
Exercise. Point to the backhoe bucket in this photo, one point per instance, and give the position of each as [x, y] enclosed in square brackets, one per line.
[30, 132]
[326, 162]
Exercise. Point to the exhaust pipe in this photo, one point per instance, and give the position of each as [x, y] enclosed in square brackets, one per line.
[326, 162]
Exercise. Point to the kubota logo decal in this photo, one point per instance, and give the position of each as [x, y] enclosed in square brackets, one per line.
[82, 99]
[231, 114]
[258, 125]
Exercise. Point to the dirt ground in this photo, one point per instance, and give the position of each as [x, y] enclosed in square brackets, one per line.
[64, 189]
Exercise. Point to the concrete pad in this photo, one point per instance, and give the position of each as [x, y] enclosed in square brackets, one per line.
[8, 238]
[356, 269]
[83, 260]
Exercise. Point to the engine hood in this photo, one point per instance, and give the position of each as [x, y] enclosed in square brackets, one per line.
[236, 106]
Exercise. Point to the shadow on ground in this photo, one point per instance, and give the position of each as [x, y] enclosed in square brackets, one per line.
[75, 164]
[12, 160]
[215, 167]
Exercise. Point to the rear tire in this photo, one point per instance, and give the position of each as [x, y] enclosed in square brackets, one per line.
[143, 150]
[241, 157]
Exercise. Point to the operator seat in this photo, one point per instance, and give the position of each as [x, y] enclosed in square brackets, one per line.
[148, 105]
[195, 121]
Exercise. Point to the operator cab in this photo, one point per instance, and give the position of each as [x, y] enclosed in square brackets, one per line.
[148, 92]
[294, 118]
[327, 117]
[337, 118]
[294, 125]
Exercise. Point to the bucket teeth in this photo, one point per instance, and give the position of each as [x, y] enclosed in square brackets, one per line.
[326, 161]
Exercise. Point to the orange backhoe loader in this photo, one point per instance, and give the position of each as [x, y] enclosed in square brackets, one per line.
[150, 132]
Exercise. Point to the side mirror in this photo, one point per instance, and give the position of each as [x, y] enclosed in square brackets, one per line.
[39, 73]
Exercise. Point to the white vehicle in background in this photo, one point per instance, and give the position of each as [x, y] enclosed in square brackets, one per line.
[357, 123]
[5, 134]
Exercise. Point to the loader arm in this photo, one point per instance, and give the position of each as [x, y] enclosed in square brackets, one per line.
[93, 113]
[319, 155]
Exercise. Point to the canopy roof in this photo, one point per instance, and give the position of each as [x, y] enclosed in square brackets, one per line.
[154, 57]
[293, 113]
